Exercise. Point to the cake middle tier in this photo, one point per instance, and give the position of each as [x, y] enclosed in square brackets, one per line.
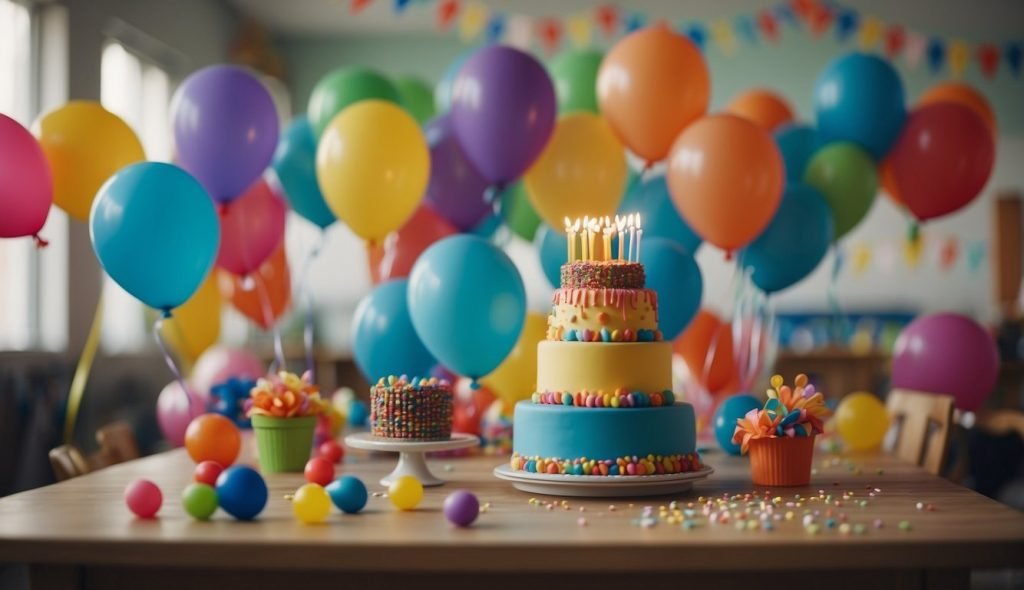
[633, 366]
[604, 315]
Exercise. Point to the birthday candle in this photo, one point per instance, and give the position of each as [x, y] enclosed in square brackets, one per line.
[591, 231]
[632, 236]
[620, 223]
[639, 237]
[569, 240]
[608, 243]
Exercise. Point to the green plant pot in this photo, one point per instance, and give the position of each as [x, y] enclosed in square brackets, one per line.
[284, 444]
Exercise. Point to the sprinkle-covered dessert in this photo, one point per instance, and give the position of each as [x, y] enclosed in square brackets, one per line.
[411, 409]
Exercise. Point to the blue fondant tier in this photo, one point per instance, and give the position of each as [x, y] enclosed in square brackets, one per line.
[568, 432]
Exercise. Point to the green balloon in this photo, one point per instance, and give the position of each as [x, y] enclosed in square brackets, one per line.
[846, 176]
[344, 87]
[575, 76]
[518, 213]
[199, 501]
[417, 98]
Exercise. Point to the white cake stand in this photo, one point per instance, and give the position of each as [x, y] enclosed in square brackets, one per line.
[600, 486]
[411, 454]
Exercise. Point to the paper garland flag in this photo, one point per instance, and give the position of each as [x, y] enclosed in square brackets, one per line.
[401, 5]
[698, 34]
[608, 18]
[551, 34]
[635, 22]
[768, 25]
[976, 256]
[846, 23]
[861, 259]
[821, 20]
[988, 59]
[495, 28]
[895, 39]
[745, 28]
[870, 31]
[474, 17]
[721, 32]
[936, 55]
[786, 15]
[948, 253]
[914, 50]
[519, 32]
[357, 6]
[446, 11]
[958, 54]
[1013, 55]
[579, 31]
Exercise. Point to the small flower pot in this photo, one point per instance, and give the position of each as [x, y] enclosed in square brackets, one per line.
[284, 444]
[782, 461]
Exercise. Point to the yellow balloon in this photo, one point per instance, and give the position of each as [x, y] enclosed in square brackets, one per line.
[861, 421]
[311, 504]
[516, 377]
[406, 492]
[85, 145]
[582, 171]
[195, 325]
[373, 164]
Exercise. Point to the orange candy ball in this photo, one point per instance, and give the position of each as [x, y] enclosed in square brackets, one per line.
[212, 437]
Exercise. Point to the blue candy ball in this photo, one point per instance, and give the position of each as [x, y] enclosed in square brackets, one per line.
[348, 493]
[241, 491]
[732, 409]
[358, 413]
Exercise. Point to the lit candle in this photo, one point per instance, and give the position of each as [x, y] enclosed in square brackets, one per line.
[639, 237]
[632, 236]
[568, 240]
[620, 223]
[608, 231]
[591, 235]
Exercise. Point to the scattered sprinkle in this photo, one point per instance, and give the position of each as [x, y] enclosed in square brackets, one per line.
[581, 521]
[904, 525]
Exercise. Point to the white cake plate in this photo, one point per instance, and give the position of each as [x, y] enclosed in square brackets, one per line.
[411, 454]
[600, 486]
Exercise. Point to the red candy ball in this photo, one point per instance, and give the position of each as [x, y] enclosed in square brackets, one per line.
[319, 471]
[143, 498]
[207, 472]
[332, 451]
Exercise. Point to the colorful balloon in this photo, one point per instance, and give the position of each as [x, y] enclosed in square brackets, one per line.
[394, 258]
[348, 493]
[406, 492]
[154, 230]
[763, 107]
[582, 171]
[268, 297]
[225, 129]
[674, 275]
[143, 498]
[942, 159]
[652, 84]
[416, 97]
[797, 144]
[455, 190]
[467, 303]
[503, 111]
[517, 212]
[195, 325]
[220, 363]
[845, 175]
[794, 243]
[175, 411]
[373, 165]
[207, 472]
[947, 353]
[26, 188]
[861, 421]
[965, 94]
[574, 74]
[343, 88]
[251, 228]
[71, 137]
[469, 406]
[726, 177]
[551, 247]
[311, 504]
[242, 492]
[443, 90]
[515, 378]
[706, 346]
[295, 165]
[724, 422]
[859, 99]
[383, 339]
[212, 437]
[650, 198]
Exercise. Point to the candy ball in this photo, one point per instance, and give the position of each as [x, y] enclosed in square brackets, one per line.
[143, 498]
[406, 492]
[311, 504]
[332, 451]
[212, 437]
[199, 500]
[725, 418]
[461, 508]
[348, 493]
[319, 471]
[207, 472]
[242, 492]
[862, 421]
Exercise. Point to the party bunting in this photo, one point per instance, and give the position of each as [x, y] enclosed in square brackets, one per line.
[936, 55]
[579, 31]
[495, 28]
[870, 32]
[846, 23]
[446, 11]
[895, 39]
[474, 17]
[745, 29]
[958, 55]
[768, 25]
[519, 32]
[635, 21]
[722, 33]
[698, 34]
[915, 46]
[551, 34]
[358, 6]
[988, 58]
[608, 19]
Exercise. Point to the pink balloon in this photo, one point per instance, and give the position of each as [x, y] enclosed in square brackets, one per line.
[251, 228]
[220, 363]
[174, 412]
[947, 353]
[26, 189]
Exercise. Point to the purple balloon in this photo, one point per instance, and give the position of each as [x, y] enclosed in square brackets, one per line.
[461, 508]
[225, 129]
[456, 189]
[947, 353]
[503, 111]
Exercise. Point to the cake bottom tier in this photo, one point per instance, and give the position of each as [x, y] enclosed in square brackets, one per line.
[604, 441]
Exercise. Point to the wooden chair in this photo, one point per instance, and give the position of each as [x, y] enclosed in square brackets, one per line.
[117, 443]
[922, 423]
[68, 462]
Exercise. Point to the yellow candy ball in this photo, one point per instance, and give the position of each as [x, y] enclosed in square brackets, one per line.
[311, 504]
[406, 492]
[862, 421]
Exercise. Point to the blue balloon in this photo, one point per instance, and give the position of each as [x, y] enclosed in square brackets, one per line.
[797, 144]
[155, 231]
[295, 165]
[728, 412]
[348, 493]
[859, 98]
[241, 492]
[488, 226]
[468, 304]
[794, 243]
[674, 275]
[358, 413]
[658, 215]
[383, 339]
[551, 246]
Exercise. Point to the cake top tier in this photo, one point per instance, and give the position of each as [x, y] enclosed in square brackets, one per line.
[602, 274]
[406, 385]
[603, 253]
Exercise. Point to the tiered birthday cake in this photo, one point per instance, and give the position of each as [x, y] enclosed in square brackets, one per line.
[604, 403]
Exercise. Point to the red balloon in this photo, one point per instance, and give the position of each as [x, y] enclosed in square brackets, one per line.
[394, 259]
[272, 285]
[941, 160]
[251, 228]
[469, 406]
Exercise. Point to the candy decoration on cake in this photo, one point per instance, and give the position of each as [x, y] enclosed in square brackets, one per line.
[417, 409]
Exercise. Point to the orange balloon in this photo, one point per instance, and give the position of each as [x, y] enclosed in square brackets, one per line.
[889, 183]
[726, 175]
[761, 106]
[964, 94]
[393, 259]
[651, 85]
[705, 331]
[273, 286]
[212, 437]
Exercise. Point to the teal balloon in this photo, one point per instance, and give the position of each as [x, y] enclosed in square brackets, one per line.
[797, 144]
[295, 165]
[467, 303]
[575, 76]
[552, 246]
[383, 339]
[794, 243]
[724, 421]
[488, 226]
[658, 215]
[846, 176]
[674, 275]
[443, 90]
[417, 98]
[342, 88]
[155, 232]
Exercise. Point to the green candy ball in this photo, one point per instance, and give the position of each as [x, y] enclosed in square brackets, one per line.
[199, 501]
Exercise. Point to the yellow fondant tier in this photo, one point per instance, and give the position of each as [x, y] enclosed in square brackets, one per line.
[625, 315]
[605, 367]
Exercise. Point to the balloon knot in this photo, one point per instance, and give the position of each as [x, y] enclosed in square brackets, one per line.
[913, 232]
[222, 209]
[165, 313]
[728, 255]
[474, 384]
[40, 242]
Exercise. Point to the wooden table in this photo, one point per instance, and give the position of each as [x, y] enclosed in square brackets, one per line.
[78, 534]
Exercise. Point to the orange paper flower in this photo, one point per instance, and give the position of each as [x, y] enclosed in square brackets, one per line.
[788, 412]
[286, 395]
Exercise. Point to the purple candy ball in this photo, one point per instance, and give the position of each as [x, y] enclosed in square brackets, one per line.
[461, 508]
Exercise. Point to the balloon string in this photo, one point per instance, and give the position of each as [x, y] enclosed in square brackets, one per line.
[40, 241]
[839, 329]
[82, 370]
[168, 358]
[307, 297]
[268, 318]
